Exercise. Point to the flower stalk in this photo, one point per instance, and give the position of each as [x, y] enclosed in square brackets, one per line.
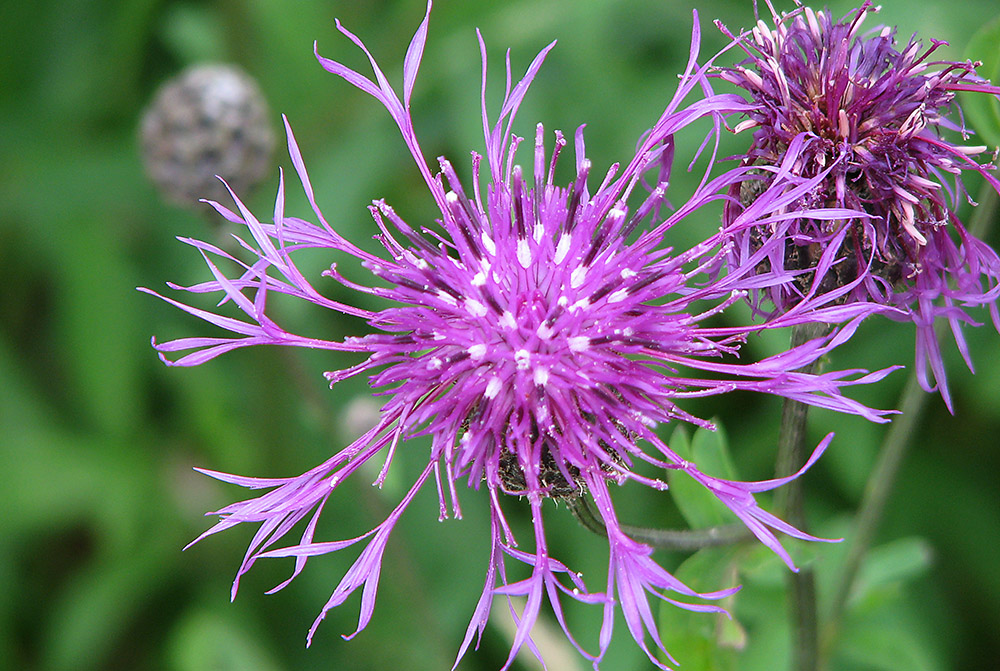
[790, 503]
[675, 540]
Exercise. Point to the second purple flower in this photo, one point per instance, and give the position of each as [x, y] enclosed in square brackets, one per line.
[877, 120]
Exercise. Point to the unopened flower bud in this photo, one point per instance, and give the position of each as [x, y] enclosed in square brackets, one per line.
[209, 121]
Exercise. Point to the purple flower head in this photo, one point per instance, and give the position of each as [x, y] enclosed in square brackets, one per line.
[538, 334]
[880, 120]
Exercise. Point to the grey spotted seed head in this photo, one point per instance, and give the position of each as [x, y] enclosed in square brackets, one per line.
[210, 120]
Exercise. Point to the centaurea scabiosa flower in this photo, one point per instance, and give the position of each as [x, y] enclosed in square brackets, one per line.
[538, 335]
[881, 120]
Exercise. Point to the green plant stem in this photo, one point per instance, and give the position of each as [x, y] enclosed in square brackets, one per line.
[891, 454]
[873, 503]
[789, 503]
[687, 540]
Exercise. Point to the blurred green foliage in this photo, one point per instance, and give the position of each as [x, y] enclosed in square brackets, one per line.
[98, 439]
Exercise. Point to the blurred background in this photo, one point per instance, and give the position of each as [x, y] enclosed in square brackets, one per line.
[98, 438]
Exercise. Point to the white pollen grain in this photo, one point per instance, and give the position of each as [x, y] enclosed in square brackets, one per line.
[523, 253]
[542, 413]
[523, 359]
[434, 364]
[446, 297]
[562, 248]
[618, 296]
[541, 376]
[479, 279]
[971, 150]
[491, 247]
[411, 258]
[544, 331]
[477, 351]
[754, 78]
[627, 273]
[578, 343]
[475, 308]
[492, 388]
[507, 320]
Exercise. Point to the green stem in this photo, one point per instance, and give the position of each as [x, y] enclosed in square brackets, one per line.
[685, 540]
[891, 453]
[789, 503]
[877, 490]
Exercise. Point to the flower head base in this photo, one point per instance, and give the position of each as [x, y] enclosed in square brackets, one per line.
[872, 113]
[537, 335]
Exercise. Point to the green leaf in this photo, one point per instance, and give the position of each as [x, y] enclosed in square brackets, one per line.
[885, 642]
[761, 609]
[982, 110]
[704, 641]
[900, 560]
[887, 569]
[710, 451]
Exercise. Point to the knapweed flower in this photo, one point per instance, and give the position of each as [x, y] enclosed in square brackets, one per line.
[537, 334]
[881, 120]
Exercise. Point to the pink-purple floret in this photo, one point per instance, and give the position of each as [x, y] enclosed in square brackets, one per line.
[532, 323]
